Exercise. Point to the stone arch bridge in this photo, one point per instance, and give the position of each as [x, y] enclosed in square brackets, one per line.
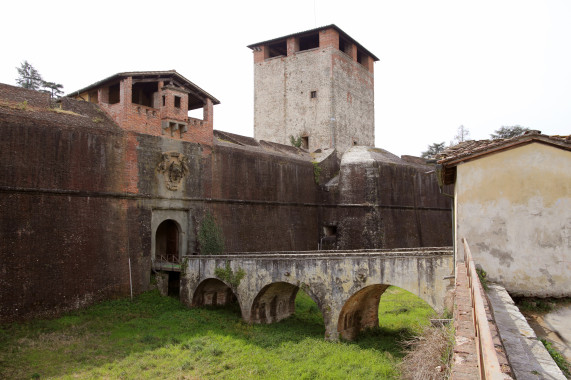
[347, 286]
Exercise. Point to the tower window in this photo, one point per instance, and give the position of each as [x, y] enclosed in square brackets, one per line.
[164, 100]
[313, 94]
[309, 42]
[177, 101]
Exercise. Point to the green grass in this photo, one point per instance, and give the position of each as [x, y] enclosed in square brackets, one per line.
[557, 358]
[157, 337]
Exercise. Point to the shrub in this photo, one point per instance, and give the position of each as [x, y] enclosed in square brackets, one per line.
[210, 236]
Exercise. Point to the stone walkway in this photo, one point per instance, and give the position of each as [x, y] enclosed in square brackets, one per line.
[528, 357]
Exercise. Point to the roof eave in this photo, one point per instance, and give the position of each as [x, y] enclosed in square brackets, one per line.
[144, 73]
[333, 26]
[525, 140]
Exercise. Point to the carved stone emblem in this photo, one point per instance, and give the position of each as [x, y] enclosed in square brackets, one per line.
[174, 166]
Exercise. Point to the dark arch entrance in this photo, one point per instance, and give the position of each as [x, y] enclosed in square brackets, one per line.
[274, 302]
[167, 242]
[361, 311]
[213, 292]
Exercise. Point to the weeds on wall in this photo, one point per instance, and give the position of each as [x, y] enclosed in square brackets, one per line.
[483, 279]
[210, 237]
[226, 274]
[316, 171]
[295, 141]
[557, 358]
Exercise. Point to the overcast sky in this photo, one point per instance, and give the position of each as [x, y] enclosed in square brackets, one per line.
[481, 64]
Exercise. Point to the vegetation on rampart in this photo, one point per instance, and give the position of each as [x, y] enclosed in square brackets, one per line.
[210, 236]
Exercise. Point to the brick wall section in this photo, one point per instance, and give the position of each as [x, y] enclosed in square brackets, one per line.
[465, 358]
[66, 239]
[13, 95]
[247, 175]
[329, 38]
[292, 45]
[148, 120]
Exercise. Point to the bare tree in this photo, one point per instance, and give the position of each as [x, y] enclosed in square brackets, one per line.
[462, 134]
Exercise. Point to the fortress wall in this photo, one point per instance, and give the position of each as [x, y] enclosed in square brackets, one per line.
[265, 201]
[67, 226]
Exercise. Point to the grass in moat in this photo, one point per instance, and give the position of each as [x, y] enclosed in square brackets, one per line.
[157, 337]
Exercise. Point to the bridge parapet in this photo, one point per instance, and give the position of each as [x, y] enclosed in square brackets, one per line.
[346, 285]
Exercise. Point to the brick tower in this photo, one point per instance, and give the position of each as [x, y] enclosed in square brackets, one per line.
[317, 85]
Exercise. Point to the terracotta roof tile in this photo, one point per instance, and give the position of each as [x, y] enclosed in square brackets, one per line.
[467, 149]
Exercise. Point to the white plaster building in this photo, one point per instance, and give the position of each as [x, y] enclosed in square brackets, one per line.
[512, 203]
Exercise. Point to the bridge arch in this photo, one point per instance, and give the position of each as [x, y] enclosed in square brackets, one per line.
[213, 292]
[274, 302]
[361, 310]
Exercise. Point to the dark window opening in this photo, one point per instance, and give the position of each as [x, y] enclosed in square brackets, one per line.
[345, 46]
[313, 94]
[164, 100]
[309, 42]
[354, 142]
[114, 94]
[362, 58]
[93, 97]
[177, 101]
[277, 49]
[143, 93]
[305, 142]
[329, 230]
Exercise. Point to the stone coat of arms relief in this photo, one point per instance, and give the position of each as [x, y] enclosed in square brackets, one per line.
[173, 166]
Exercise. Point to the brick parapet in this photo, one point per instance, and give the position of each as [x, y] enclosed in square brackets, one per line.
[292, 45]
[329, 38]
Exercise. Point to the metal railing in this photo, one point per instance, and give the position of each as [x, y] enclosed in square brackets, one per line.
[487, 359]
[169, 259]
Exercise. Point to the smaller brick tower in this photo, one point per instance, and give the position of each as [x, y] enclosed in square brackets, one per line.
[317, 85]
[155, 103]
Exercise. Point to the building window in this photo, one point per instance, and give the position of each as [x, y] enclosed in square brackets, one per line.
[177, 101]
[164, 100]
[277, 49]
[313, 94]
[114, 92]
[308, 42]
[305, 142]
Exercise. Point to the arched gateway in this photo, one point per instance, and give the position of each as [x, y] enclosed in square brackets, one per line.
[346, 286]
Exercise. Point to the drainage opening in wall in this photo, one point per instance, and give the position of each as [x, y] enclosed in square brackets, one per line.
[174, 284]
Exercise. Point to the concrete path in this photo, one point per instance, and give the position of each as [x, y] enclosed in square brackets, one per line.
[527, 355]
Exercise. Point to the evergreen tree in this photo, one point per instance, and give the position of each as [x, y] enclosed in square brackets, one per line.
[433, 150]
[55, 89]
[508, 132]
[29, 77]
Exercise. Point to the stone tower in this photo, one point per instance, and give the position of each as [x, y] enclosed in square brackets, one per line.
[317, 85]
